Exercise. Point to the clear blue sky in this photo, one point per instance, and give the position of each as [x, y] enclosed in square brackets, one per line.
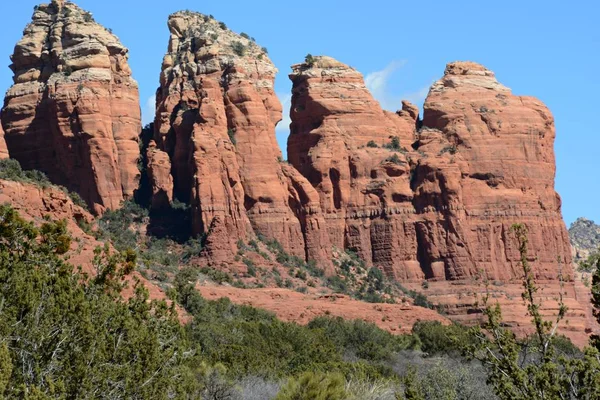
[548, 49]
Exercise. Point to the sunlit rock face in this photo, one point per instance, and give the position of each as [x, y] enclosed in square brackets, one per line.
[73, 111]
[215, 119]
[439, 204]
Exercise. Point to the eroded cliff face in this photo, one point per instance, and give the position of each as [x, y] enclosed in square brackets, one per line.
[73, 111]
[215, 120]
[489, 163]
[440, 205]
[336, 141]
[3, 148]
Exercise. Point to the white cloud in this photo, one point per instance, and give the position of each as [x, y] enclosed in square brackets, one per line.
[286, 103]
[149, 110]
[378, 84]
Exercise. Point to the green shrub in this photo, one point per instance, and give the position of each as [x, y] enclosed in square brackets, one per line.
[87, 17]
[231, 134]
[245, 35]
[238, 48]
[11, 170]
[216, 275]
[452, 149]
[115, 225]
[77, 200]
[394, 144]
[421, 301]
[222, 25]
[314, 386]
[436, 338]
[309, 60]
[337, 284]
[372, 144]
[362, 339]
[65, 335]
[394, 159]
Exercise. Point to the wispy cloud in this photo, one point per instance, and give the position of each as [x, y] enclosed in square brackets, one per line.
[378, 84]
[148, 110]
[286, 102]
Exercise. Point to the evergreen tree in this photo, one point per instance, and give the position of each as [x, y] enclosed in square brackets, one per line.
[64, 335]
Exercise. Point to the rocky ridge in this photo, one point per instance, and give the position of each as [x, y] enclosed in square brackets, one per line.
[73, 111]
[585, 238]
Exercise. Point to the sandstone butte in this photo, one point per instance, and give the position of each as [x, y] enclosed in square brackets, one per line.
[73, 111]
[216, 112]
[441, 207]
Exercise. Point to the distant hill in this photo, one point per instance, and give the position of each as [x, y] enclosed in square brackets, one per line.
[585, 238]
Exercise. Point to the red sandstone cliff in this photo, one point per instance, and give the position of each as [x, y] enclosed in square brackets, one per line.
[489, 164]
[483, 161]
[73, 111]
[337, 136]
[215, 119]
[440, 206]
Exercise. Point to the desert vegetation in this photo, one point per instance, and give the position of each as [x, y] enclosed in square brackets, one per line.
[64, 334]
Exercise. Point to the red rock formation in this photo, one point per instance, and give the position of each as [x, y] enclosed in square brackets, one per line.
[484, 161]
[73, 111]
[159, 174]
[336, 140]
[216, 117]
[490, 164]
[3, 148]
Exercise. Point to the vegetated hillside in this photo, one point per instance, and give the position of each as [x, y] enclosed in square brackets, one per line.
[585, 238]
[77, 338]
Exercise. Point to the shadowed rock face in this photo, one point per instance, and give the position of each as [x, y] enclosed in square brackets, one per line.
[73, 111]
[3, 148]
[215, 119]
